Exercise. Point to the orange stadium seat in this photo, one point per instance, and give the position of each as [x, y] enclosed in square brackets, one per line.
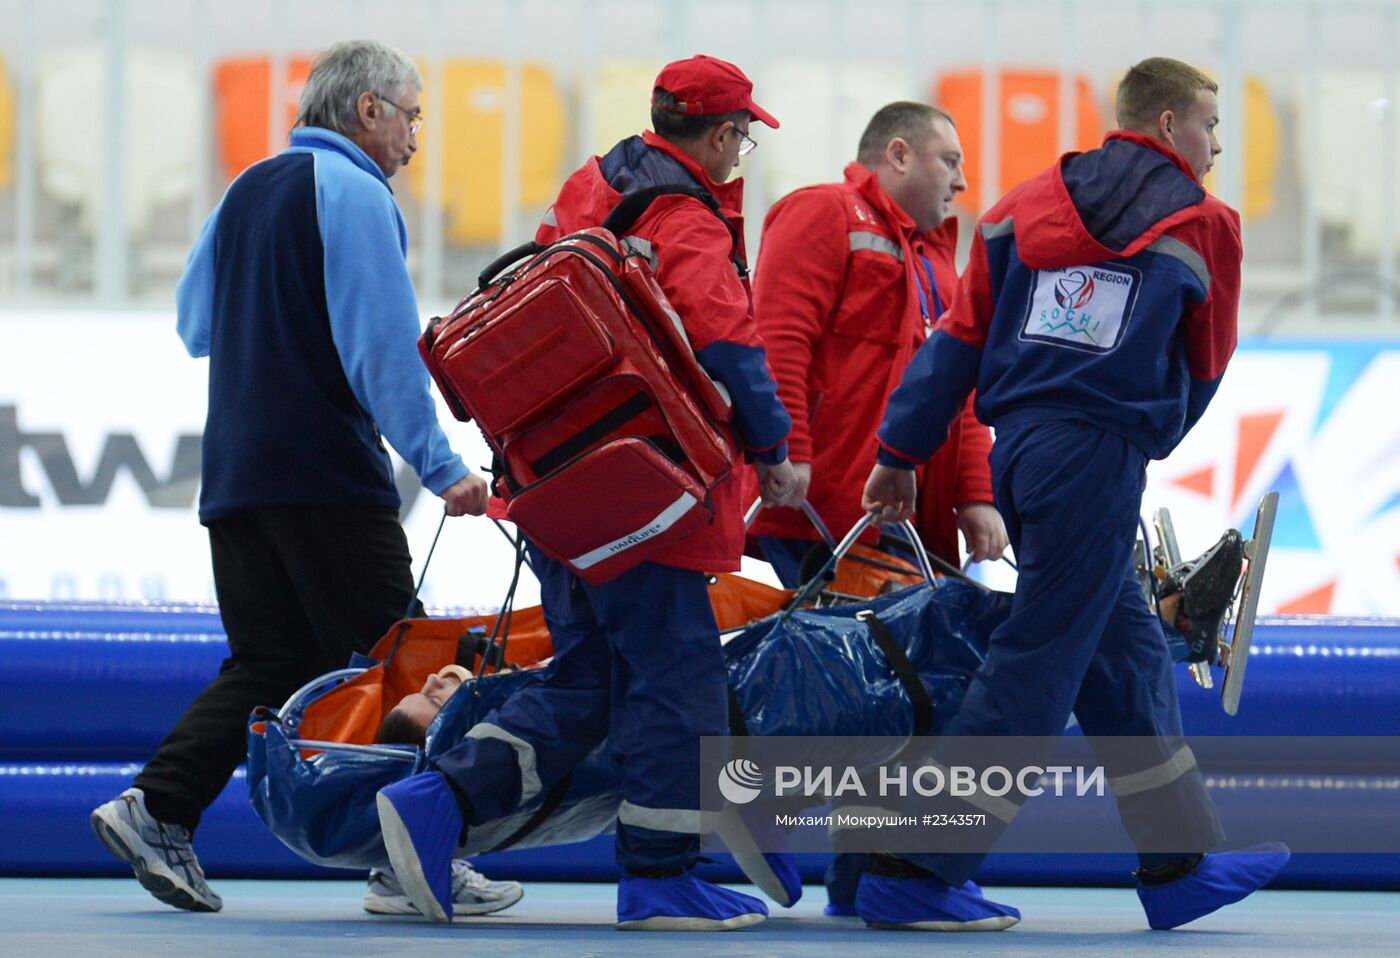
[242, 98]
[472, 127]
[1030, 124]
[1263, 138]
[7, 127]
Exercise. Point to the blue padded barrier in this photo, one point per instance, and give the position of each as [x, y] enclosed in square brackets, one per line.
[88, 688]
[112, 693]
[108, 680]
[1288, 802]
[46, 807]
[94, 695]
[1307, 675]
[109, 617]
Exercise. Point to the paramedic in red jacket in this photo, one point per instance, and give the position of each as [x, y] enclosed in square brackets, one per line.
[637, 659]
[850, 278]
[1095, 319]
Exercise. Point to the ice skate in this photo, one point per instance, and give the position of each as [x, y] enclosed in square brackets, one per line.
[1212, 600]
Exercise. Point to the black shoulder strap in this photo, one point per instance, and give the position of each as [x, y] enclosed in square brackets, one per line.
[632, 206]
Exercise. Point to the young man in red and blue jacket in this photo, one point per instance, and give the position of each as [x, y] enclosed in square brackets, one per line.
[1095, 319]
[637, 659]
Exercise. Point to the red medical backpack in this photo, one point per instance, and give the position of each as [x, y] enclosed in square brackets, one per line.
[609, 435]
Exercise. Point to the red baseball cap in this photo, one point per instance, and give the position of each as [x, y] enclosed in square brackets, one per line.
[704, 86]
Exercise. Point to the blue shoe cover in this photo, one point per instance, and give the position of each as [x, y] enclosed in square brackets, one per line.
[843, 878]
[421, 823]
[1218, 880]
[683, 903]
[927, 904]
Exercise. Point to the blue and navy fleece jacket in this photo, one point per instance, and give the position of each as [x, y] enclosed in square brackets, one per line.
[298, 293]
[1105, 289]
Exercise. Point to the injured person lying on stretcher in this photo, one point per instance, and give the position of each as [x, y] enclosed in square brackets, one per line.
[316, 765]
[1191, 601]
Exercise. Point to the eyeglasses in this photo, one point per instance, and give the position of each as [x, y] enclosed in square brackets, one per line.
[415, 117]
[746, 144]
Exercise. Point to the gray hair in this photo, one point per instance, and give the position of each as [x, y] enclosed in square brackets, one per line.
[347, 70]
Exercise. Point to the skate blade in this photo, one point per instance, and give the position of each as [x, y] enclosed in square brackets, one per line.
[1168, 556]
[1200, 671]
[1256, 552]
[738, 838]
[1166, 537]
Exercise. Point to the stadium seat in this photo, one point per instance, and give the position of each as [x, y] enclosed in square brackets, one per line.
[242, 101]
[162, 120]
[472, 127]
[1262, 143]
[621, 91]
[7, 127]
[1352, 111]
[824, 110]
[1030, 124]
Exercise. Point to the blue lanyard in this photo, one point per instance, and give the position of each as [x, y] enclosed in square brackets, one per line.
[923, 297]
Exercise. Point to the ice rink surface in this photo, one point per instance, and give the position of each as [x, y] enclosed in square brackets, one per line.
[107, 917]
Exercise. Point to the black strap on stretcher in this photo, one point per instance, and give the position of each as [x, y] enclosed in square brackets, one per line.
[551, 803]
[476, 643]
[903, 670]
[738, 728]
[899, 664]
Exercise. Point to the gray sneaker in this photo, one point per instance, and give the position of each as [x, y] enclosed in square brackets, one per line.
[472, 892]
[159, 854]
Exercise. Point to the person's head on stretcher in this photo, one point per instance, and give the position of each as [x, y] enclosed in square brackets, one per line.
[407, 723]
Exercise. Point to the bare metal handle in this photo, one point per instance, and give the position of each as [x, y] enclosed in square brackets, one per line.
[813, 585]
[906, 528]
[808, 509]
[396, 752]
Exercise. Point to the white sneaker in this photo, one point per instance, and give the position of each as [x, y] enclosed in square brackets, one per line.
[472, 892]
[159, 853]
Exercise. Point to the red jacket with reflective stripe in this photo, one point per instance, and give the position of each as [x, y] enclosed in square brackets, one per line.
[693, 253]
[839, 310]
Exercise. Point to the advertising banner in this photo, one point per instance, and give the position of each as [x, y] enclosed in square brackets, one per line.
[101, 417]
